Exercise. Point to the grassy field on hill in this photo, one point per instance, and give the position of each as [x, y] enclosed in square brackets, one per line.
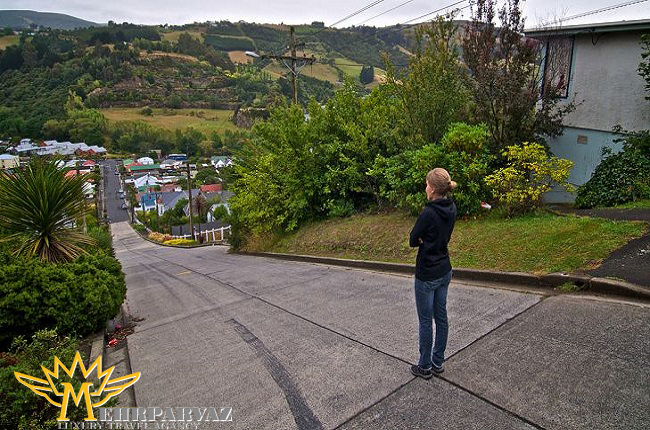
[8, 41]
[212, 119]
[324, 72]
[538, 243]
[173, 36]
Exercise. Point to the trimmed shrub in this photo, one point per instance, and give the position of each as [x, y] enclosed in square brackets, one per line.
[180, 242]
[529, 174]
[76, 297]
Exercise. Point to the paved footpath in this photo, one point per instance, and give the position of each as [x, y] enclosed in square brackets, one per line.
[296, 345]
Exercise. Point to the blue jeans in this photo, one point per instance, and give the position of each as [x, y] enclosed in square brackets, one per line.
[431, 303]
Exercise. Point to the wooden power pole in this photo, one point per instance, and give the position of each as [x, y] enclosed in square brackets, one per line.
[293, 59]
[189, 190]
[294, 72]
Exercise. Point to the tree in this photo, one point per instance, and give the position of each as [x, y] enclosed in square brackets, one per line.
[433, 93]
[206, 176]
[187, 141]
[41, 207]
[367, 75]
[506, 77]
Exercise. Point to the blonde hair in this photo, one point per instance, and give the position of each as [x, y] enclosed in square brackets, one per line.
[440, 181]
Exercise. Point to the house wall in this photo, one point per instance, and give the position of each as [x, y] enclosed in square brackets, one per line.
[585, 148]
[606, 83]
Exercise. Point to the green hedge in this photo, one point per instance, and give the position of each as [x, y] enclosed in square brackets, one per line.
[225, 43]
[77, 297]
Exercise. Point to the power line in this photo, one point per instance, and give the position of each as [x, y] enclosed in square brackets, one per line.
[595, 11]
[398, 27]
[436, 11]
[366, 7]
[357, 12]
[385, 12]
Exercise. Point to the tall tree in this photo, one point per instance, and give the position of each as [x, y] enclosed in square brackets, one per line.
[506, 75]
[433, 93]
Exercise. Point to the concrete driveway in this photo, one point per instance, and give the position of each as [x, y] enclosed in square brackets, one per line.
[298, 345]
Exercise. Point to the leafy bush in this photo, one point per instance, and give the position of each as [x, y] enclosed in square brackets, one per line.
[462, 152]
[20, 408]
[140, 228]
[159, 237]
[77, 297]
[180, 242]
[529, 174]
[618, 179]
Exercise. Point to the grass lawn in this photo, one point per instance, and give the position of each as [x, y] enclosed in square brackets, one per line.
[639, 204]
[538, 243]
[8, 41]
[213, 119]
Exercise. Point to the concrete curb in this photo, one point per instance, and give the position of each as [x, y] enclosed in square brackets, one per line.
[545, 283]
[121, 362]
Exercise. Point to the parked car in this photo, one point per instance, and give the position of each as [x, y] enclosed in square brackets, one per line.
[123, 206]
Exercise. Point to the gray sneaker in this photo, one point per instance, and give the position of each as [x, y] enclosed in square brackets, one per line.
[422, 373]
[437, 369]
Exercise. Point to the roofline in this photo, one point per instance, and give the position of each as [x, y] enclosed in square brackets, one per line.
[601, 27]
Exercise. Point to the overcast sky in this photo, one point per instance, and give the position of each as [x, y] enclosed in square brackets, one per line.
[306, 11]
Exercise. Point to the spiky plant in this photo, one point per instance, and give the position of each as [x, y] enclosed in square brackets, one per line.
[39, 207]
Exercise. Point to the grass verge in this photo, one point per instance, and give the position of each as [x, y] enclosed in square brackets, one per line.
[639, 204]
[537, 243]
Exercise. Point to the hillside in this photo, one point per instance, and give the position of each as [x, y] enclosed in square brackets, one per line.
[20, 19]
[197, 66]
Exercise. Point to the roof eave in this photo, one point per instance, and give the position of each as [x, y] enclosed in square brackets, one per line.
[638, 25]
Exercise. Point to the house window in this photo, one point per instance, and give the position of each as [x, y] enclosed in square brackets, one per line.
[557, 66]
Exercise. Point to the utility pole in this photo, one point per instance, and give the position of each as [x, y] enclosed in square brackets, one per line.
[294, 72]
[293, 58]
[189, 190]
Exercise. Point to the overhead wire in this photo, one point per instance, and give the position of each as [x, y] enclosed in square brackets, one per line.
[385, 12]
[595, 11]
[355, 13]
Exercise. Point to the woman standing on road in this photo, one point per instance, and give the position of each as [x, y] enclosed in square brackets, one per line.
[431, 235]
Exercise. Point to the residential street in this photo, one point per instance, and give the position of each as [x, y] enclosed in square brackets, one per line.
[111, 187]
[299, 345]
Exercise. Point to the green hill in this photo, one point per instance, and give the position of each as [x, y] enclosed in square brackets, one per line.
[19, 19]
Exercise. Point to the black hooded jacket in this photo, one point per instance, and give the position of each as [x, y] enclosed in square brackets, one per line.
[431, 234]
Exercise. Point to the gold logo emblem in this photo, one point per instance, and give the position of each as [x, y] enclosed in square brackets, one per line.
[108, 387]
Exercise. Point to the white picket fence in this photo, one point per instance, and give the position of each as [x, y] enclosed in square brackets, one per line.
[206, 234]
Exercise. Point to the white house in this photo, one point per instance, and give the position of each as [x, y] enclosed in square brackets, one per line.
[145, 161]
[146, 181]
[8, 161]
[598, 63]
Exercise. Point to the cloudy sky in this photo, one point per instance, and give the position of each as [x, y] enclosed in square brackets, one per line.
[306, 11]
